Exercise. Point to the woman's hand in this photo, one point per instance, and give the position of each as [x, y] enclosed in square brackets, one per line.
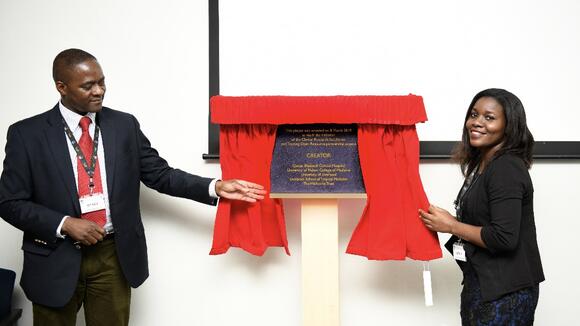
[438, 219]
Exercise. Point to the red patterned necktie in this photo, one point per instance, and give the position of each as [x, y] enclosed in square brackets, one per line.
[86, 144]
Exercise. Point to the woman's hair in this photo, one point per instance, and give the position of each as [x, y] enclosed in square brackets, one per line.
[518, 139]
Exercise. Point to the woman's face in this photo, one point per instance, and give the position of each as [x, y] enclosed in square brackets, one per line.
[486, 124]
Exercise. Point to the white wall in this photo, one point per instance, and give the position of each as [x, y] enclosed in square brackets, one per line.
[154, 55]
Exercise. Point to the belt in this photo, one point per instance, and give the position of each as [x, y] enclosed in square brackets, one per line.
[108, 236]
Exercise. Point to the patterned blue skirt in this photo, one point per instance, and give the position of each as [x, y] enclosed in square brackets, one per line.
[513, 309]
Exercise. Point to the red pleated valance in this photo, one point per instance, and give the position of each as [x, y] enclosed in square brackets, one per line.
[387, 110]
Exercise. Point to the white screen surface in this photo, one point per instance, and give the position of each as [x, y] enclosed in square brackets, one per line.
[445, 51]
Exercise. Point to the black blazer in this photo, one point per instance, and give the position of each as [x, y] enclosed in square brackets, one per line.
[501, 201]
[37, 188]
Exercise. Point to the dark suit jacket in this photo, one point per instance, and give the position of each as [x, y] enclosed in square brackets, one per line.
[501, 201]
[37, 188]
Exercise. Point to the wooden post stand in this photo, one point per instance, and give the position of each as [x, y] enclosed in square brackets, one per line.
[320, 303]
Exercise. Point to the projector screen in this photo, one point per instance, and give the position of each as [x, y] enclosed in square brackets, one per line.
[445, 51]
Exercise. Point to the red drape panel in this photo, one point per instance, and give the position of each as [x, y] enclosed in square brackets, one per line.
[390, 228]
[246, 153]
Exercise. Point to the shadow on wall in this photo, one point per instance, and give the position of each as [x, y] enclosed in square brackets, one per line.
[188, 216]
[400, 279]
[256, 266]
[199, 219]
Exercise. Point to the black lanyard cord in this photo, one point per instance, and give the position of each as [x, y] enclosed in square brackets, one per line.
[90, 169]
[467, 185]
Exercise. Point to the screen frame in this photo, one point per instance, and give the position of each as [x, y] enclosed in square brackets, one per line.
[555, 150]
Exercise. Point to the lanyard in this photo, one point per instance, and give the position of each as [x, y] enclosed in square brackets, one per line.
[90, 169]
[467, 184]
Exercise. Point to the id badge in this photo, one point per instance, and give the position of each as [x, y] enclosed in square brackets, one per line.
[459, 251]
[91, 203]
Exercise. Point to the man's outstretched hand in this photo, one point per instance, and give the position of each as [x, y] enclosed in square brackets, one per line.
[239, 190]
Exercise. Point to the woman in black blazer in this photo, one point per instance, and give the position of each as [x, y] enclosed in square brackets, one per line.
[494, 235]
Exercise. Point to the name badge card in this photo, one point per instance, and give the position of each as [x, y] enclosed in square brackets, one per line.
[459, 251]
[91, 203]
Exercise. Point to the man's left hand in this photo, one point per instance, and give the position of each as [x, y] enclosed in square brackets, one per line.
[239, 190]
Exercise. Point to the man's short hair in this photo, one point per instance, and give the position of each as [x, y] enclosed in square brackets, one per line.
[66, 60]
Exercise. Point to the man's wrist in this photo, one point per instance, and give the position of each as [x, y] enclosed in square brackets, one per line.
[212, 188]
[59, 230]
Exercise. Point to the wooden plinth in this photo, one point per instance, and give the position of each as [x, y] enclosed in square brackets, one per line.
[319, 223]
[320, 303]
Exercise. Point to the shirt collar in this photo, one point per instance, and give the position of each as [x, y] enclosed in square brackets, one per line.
[71, 118]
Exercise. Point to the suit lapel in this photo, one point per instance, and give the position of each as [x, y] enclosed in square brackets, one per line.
[59, 148]
[109, 136]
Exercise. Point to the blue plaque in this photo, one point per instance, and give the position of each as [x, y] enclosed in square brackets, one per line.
[316, 159]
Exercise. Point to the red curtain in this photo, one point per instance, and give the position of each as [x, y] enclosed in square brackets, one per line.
[390, 228]
[246, 153]
[388, 146]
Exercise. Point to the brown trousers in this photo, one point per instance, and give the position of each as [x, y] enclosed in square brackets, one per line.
[102, 289]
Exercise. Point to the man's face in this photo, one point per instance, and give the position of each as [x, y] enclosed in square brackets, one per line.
[83, 89]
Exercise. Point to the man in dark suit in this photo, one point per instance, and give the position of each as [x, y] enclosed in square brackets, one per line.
[71, 182]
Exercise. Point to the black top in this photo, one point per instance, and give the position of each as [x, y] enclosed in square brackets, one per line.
[501, 201]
